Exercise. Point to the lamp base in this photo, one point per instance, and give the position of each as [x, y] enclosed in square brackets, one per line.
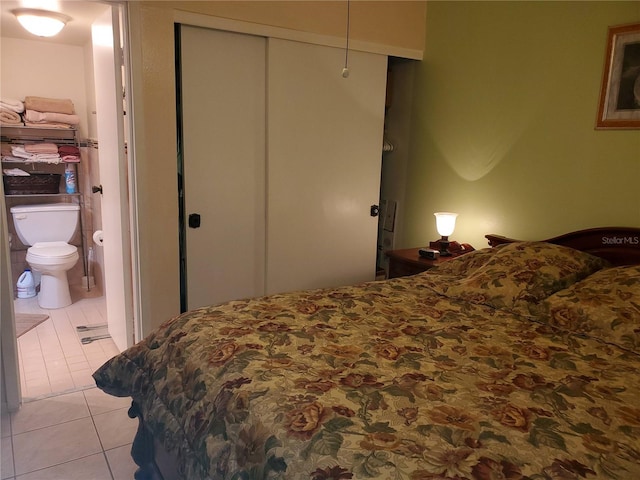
[442, 245]
[444, 248]
[450, 248]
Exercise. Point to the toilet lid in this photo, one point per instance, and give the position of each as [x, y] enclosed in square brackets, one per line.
[59, 250]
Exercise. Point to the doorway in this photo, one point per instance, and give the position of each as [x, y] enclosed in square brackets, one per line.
[78, 61]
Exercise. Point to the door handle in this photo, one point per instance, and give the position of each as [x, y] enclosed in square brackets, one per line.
[194, 220]
[375, 210]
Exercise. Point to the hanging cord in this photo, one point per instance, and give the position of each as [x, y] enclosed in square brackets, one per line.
[345, 70]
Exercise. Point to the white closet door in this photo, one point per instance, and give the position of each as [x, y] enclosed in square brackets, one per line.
[324, 162]
[223, 104]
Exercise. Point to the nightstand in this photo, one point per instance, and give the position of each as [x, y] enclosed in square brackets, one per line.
[408, 262]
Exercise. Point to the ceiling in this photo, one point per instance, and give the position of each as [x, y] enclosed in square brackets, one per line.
[76, 32]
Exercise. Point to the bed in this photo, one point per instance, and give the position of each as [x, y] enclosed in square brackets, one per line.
[521, 360]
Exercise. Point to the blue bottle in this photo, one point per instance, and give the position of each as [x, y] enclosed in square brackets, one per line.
[70, 178]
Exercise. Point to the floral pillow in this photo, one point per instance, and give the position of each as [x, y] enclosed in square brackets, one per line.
[605, 305]
[518, 276]
[464, 264]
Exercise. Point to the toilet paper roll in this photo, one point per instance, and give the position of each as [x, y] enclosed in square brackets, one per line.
[97, 237]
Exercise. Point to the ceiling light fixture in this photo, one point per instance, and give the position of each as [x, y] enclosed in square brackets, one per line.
[41, 22]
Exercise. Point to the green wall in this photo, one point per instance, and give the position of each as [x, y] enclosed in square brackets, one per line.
[502, 129]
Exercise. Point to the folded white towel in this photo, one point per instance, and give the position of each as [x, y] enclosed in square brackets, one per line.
[12, 159]
[9, 117]
[15, 172]
[20, 152]
[11, 104]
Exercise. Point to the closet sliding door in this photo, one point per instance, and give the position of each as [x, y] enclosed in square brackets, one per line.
[223, 111]
[282, 161]
[324, 163]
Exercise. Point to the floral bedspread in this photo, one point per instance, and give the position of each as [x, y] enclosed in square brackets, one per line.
[386, 380]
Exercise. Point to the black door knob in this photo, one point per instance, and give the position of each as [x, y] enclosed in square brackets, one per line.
[194, 220]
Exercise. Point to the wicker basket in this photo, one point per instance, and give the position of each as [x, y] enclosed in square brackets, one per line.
[36, 183]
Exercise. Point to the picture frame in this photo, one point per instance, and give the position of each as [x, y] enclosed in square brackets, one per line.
[619, 106]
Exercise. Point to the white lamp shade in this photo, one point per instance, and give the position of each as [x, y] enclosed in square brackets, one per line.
[445, 223]
[41, 22]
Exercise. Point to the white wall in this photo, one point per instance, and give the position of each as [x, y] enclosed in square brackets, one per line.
[38, 68]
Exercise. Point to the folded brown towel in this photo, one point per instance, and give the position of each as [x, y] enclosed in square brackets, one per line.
[48, 125]
[34, 116]
[55, 105]
[41, 148]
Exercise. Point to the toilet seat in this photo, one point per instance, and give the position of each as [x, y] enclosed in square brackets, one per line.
[52, 253]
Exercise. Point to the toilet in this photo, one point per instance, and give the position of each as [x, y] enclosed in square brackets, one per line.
[47, 229]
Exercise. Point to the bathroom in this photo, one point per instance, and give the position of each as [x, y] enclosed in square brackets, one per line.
[68, 67]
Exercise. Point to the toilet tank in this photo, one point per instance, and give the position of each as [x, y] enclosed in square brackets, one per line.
[51, 222]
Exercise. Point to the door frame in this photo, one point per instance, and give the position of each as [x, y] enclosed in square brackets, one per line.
[129, 195]
[10, 374]
[108, 65]
[10, 391]
[182, 227]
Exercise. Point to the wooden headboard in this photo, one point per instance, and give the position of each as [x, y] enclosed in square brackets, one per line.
[618, 245]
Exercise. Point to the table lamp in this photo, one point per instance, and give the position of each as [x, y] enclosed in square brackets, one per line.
[445, 224]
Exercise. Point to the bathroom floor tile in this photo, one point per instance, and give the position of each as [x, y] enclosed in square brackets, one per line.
[54, 365]
[35, 391]
[83, 378]
[62, 384]
[35, 370]
[50, 446]
[78, 366]
[51, 356]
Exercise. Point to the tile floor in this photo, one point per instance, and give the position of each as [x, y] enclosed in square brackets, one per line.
[66, 428]
[51, 357]
[74, 436]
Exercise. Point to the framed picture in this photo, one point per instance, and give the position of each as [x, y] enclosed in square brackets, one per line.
[620, 93]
